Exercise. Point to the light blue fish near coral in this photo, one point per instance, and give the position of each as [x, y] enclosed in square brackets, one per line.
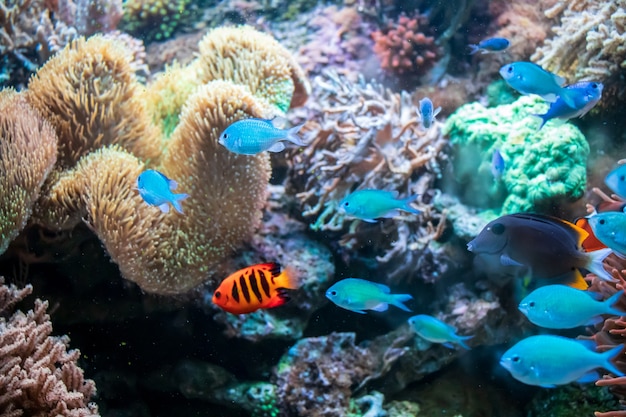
[357, 295]
[437, 331]
[563, 307]
[497, 164]
[548, 361]
[490, 45]
[427, 112]
[609, 227]
[368, 205]
[585, 94]
[156, 190]
[616, 180]
[253, 136]
[529, 78]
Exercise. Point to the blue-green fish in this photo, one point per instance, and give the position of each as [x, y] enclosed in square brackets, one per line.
[427, 112]
[368, 205]
[609, 227]
[616, 180]
[156, 190]
[549, 361]
[357, 294]
[529, 78]
[252, 136]
[563, 307]
[490, 45]
[585, 94]
[437, 331]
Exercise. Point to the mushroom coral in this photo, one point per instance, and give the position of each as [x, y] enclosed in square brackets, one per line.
[28, 147]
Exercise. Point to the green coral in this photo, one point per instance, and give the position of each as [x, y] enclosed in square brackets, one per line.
[541, 166]
[156, 20]
[572, 401]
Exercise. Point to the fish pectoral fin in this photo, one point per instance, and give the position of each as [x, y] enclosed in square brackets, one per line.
[172, 184]
[165, 208]
[277, 147]
[381, 307]
[506, 260]
[448, 345]
[592, 376]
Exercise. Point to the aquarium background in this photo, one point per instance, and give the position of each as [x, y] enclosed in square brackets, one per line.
[106, 305]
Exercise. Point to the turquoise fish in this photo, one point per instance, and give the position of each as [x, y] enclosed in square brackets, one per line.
[490, 45]
[563, 307]
[427, 112]
[156, 190]
[616, 180]
[585, 94]
[548, 361]
[529, 78]
[357, 294]
[253, 136]
[609, 227]
[437, 331]
[368, 205]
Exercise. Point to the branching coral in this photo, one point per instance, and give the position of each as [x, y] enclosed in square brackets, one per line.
[91, 96]
[28, 147]
[404, 48]
[364, 136]
[38, 376]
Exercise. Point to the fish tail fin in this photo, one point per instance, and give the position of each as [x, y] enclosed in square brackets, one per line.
[568, 97]
[292, 135]
[543, 118]
[595, 263]
[610, 355]
[406, 204]
[398, 300]
[461, 341]
[609, 302]
[176, 202]
[473, 49]
[288, 278]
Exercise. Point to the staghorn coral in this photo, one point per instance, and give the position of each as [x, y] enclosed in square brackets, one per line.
[28, 147]
[367, 137]
[91, 96]
[251, 58]
[38, 376]
[404, 47]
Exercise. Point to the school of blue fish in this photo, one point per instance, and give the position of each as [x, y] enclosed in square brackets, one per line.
[545, 250]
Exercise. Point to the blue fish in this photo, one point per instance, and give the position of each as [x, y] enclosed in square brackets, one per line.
[156, 190]
[490, 45]
[563, 307]
[548, 361]
[437, 331]
[357, 294]
[529, 78]
[368, 205]
[616, 180]
[252, 136]
[497, 164]
[585, 94]
[427, 112]
[609, 227]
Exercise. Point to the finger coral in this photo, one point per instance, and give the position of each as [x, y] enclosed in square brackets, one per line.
[91, 96]
[28, 147]
[248, 57]
[38, 376]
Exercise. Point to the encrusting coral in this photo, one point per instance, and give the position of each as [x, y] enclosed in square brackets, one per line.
[28, 147]
[38, 376]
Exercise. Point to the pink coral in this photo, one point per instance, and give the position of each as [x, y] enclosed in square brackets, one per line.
[405, 48]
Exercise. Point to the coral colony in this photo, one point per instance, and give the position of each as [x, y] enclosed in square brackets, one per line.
[253, 208]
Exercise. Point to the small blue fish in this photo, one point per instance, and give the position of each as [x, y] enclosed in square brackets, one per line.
[548, 361]
[252, 136]
[490, 45]
[563, 307]
[609, 227]
[356, 295]
[156, 190]
[616, 180]
[368, 205]
[427, 112]
[529, 78]
[585, 94]
[437, 331]
[497, 164]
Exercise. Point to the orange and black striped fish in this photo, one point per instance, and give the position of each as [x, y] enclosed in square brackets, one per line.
[255, 287]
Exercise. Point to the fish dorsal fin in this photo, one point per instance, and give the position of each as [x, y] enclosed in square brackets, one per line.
[576, 233]
[383, 288]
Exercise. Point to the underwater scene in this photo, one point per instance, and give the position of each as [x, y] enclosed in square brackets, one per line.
[348, 208]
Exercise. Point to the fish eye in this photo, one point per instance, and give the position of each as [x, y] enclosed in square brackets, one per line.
[333, 293]
[225, 135]
[622, 178]
[346, 204]
[601, 221]
[498, 228]
[217, 294]
[515, 358]
[594, 85]
[531, 304]
[510, 69]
